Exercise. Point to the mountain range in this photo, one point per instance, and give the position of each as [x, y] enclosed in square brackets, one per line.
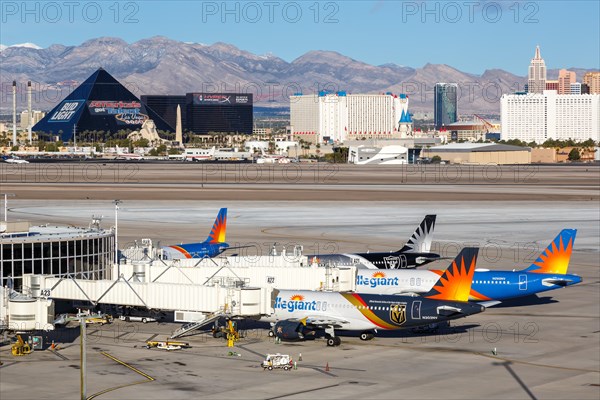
[159, 65]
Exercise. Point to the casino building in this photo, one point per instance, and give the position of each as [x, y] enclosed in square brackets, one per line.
[204, 113]
[100, 103]
[219, 112]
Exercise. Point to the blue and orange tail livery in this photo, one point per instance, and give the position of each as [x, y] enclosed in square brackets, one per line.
[555, 259]
[217, 233]
[455, 282]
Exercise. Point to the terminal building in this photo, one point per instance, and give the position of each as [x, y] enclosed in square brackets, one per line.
[197, 291]
[479, 153]
[86, 253]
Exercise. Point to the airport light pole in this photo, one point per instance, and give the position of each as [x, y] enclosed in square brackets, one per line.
[117, 202]
[83, 366]
[6, 195]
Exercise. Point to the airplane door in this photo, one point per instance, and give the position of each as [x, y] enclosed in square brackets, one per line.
[523, 282]
[402, 261]
[416, 310]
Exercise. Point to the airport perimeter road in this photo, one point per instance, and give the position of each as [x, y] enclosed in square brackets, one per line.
[339, 182]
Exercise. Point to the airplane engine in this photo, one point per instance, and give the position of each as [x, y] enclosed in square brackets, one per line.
[292, 330]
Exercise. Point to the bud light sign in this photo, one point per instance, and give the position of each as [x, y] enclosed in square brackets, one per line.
[66, 111]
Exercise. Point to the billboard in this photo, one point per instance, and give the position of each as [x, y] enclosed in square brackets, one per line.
[220, 99]
[125, 112]
[65, 111]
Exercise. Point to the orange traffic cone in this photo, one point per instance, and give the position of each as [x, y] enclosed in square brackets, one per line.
[327, 367]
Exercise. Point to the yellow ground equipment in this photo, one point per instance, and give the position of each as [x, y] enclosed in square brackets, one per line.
[20, 347]
[229, 332]
[232, 333]
[165, 344]
[99, 319]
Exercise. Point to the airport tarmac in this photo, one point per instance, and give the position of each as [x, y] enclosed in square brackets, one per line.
[546, 348]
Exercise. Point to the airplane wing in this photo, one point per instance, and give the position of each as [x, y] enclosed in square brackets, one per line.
[422, 260]
[323, 322]
[403, 293]
[236, 247]
[448, 310]
[490, 303]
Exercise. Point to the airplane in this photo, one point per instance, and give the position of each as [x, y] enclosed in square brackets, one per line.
[415, 253]
[548, 272]
[271, 158]
[213, 245]
[298, 314]
[14, 160]
[129, 156]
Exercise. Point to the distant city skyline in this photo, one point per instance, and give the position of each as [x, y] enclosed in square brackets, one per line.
[470, 36]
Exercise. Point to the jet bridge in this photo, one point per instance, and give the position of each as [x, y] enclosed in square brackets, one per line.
[274, 272]
[225, 298]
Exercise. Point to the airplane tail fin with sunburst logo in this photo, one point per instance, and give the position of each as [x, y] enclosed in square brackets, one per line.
[455, 282]
[555, 259]
[420, 241]
[219, 228]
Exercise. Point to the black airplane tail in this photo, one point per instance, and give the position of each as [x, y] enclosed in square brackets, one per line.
[420, 241]
[455, 282]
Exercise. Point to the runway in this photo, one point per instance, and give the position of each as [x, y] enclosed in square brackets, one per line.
[296, 182]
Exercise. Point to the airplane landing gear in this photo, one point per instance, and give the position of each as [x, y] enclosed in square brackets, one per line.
[366, 335]
[332, 340]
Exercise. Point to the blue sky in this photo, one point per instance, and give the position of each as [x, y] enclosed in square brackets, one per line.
[471, 36]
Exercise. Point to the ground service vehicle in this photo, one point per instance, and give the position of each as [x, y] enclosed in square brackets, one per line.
[20, 347]
[277, 361]
[133, 318]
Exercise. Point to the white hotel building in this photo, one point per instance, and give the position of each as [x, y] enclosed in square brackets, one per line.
[538, 117]
[340, 116]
